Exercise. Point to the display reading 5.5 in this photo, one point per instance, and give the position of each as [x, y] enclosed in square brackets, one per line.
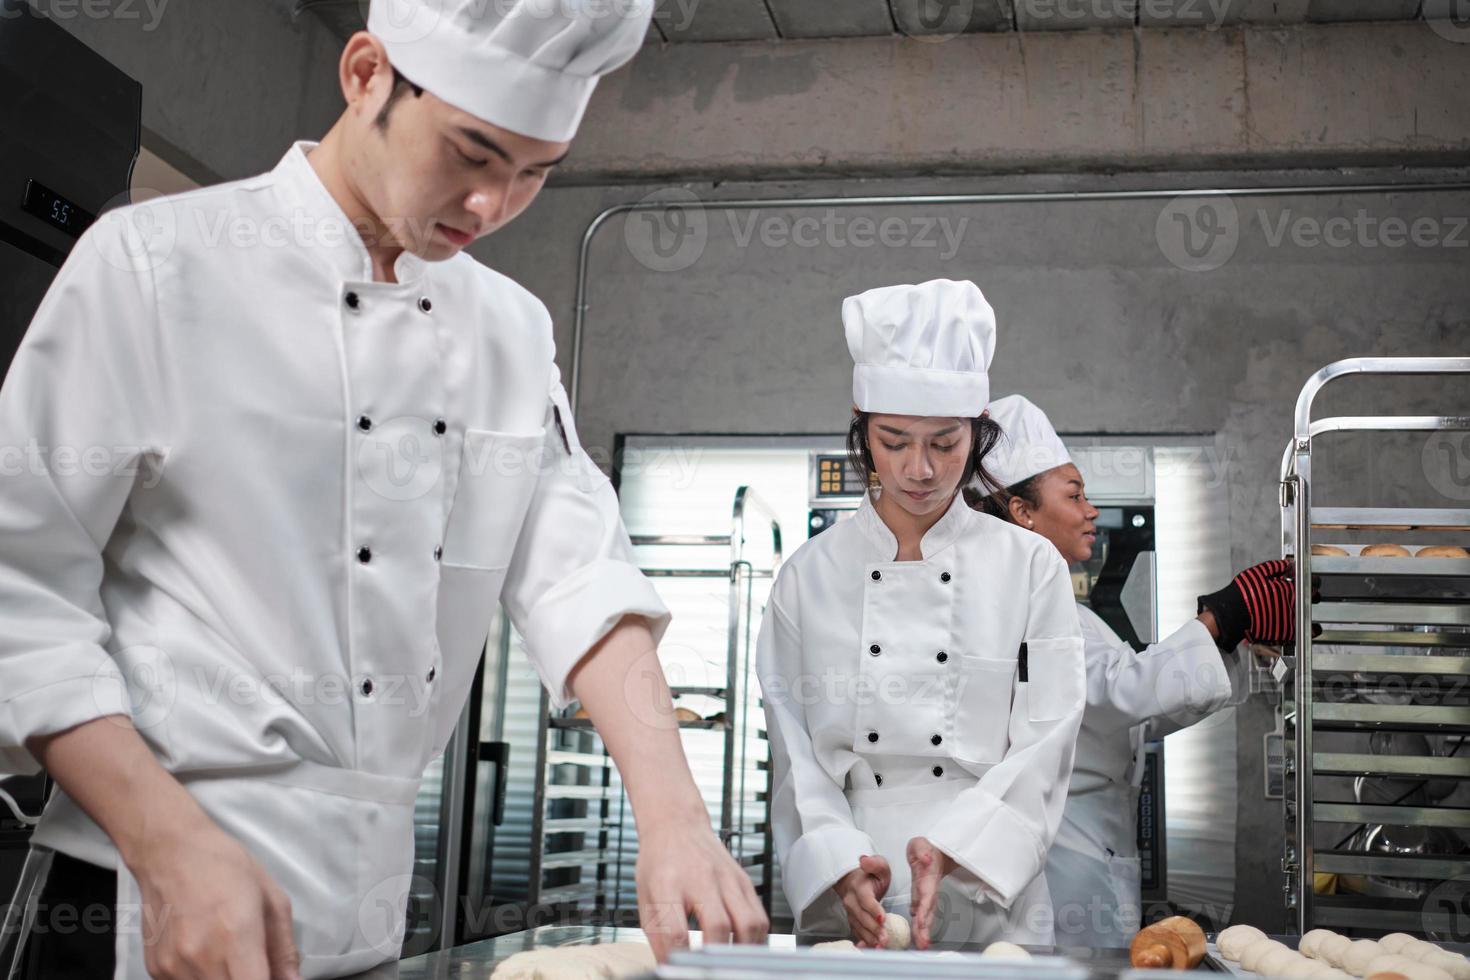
[56, 210]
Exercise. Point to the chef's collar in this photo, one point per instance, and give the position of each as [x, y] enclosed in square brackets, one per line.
[943, 534]
[322, 228]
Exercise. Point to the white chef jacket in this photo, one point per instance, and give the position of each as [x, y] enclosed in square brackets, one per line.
[904, 678]
[1093, 867]
[308, 491]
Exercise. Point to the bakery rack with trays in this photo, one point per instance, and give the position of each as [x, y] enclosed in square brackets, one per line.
[1380, 696]
[583, 843]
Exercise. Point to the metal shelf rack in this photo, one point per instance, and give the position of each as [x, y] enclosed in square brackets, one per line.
[1381, 697]
[582, 839]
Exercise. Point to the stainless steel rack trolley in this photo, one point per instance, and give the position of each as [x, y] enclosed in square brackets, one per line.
[1381, 702]
[583, 846]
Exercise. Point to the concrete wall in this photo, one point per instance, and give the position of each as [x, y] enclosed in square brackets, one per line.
[227, 84]
[733, 326]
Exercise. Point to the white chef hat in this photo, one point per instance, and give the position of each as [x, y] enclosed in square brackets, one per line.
[1028, 444]
[528, 66]
[921, 350]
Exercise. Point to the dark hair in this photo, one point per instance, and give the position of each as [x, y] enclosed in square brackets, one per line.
[998, 504]
[401, 85]
[985, 432]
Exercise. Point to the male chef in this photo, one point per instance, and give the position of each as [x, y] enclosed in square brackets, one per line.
[288, 446]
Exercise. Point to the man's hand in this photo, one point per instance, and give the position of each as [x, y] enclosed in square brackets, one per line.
[928, 865]
[683, 868]
[861, 891]
[209, 910]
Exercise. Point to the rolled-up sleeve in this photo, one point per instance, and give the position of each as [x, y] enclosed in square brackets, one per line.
[82, 420]
[999, 830]
[573, 577]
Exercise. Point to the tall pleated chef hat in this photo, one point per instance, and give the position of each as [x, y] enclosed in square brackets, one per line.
[1028, 444]
[921, 350]
[528, 66]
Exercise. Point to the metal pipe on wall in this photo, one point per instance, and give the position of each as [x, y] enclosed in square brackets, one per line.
[915, 200]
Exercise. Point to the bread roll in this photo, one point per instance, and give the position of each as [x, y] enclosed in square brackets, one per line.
[1328, 551]
[1442, 551]
[1308, 945]
[1236, 938]
[1251, 956]
[1005, 951]
[580, 713]
[1159, 949]
[1359, 955]
[684, 714]
[1384, 551]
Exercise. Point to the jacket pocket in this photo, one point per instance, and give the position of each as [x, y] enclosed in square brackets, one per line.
[498, 473]
[1057, 678]
[983, 709]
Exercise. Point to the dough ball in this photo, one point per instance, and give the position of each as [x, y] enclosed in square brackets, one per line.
[1278, 961]
[612, 961]
[1252, 954]
[1359, 955]
[1417, 949]
[1387, 975]
[837, 946]
[1006, 951]
[1390, 963]
[1452, 963]
[1308, 945]
[1326, 971]
[1394, 942]
[1333, 949]
[1232, 940]
[1300, 968]
[896, 931]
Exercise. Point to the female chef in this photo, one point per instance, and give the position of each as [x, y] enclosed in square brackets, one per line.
[921, 662]
[1092, 869]
[354, 440]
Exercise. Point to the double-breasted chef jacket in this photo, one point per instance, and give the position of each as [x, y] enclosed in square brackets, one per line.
[939, 697]
[307, 492]
[1093, 867]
